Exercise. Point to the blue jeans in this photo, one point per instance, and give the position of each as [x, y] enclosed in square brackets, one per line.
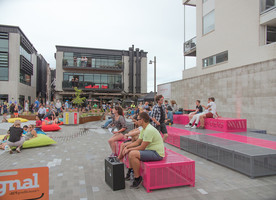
[107, 123]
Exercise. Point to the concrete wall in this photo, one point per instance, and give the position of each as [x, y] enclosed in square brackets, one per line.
[238, 30]
[59, 71]
[245, 92]
[144, 76]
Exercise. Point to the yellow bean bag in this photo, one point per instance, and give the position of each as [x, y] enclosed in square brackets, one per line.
[39, 141]
[1, 137]
[12, 120]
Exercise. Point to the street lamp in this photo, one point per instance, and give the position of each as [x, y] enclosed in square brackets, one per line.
[150, 62]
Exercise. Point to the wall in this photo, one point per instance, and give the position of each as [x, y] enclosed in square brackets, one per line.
[59, 71]
[238, 30]
[245, 92]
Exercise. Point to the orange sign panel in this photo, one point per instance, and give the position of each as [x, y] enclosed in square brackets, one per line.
[27, 184]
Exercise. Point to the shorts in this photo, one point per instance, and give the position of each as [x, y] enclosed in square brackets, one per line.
[162, 127]
[16, 144]
[149, 155]
[209, 115]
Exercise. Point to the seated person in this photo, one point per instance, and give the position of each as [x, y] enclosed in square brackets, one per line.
[60, 118]
[3, 144]
[118, 123]
[50, 120]
[109, 120]
[16, 139]
[38, 123]
[198, 110]
[134, 136]
[31, 133]
[169, 119]
[148, 147]
[5, 117]
[25, 129]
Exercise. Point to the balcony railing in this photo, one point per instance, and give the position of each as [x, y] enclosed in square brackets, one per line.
[87, 85]
[190, 47]
[267, 5]
[73, 64]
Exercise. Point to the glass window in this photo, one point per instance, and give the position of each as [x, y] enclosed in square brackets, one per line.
[25, 78]
[88, 78]
[270, 34]
[213, 60]
[4, 45]
[97, 78]
[267, 4]
[25, 53]
[209, 22]
[4, 74]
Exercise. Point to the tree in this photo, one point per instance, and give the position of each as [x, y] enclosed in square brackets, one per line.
[78, 100]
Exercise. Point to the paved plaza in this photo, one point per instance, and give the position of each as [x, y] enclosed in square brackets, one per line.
[76, 171]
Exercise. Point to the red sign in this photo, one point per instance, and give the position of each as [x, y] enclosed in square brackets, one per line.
[27, 184]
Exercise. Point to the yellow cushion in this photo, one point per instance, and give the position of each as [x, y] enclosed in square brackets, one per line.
[12, 120]
[1, 137]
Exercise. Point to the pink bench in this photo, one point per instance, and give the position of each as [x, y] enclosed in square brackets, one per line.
[175, 133]
[174, 170]
[219, 124]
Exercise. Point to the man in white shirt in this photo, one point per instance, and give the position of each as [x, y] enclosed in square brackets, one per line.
[210, 112]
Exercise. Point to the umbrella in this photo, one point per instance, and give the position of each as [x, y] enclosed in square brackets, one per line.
[128, 101]
[149, 97]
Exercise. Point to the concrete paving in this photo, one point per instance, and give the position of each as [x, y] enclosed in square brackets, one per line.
[76, 171]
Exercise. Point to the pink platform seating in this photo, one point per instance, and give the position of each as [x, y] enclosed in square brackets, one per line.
[174, 170]
[219, 124]
[175, 133]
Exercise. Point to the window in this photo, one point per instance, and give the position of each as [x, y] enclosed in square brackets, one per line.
[209, 22]
[270, 34]
[25, 53]
[4, 45]
[25, 78]
[266, 5]
[215, 59]
[4, 66]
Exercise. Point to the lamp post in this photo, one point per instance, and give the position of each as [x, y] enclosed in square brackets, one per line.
[154, 62]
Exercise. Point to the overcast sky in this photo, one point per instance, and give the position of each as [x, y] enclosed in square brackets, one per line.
[156, 26]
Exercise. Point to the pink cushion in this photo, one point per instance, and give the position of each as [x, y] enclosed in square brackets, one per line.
[50, 127]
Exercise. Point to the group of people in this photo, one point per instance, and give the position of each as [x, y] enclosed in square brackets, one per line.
[144, 142]
[16, 136]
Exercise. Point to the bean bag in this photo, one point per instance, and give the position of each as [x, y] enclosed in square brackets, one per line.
[61, 123]
[1, 137]
[12, 120]
[50, 127]
[40, 132]
[39, 141]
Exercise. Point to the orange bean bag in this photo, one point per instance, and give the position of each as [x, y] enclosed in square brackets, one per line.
[50, 127]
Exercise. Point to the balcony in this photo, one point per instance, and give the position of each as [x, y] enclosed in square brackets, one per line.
[84, 65]
[268, 12]
[91, 86]
[190, 47]
[189, 2]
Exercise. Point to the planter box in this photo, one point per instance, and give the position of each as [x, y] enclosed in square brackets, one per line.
[70, 118]
[28, 117]
[90, 119]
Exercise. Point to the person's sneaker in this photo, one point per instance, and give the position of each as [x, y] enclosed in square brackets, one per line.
[129, 174]
[194, 126]
[137, 182]
[188, 126]
[113, 155]
[102, 126]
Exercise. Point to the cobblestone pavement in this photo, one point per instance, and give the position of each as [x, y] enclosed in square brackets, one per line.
[76, 168]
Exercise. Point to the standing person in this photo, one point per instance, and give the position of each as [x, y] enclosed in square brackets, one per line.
[66, 105]
[26, 106]
[58, 106]
[5, 107]
[104, 106]
[12, 106]
[76, 82]
[168, 106]
[16, 138]
[158, 116]
[36, 105]
[148, 147]
[119, 123]
[73, 82]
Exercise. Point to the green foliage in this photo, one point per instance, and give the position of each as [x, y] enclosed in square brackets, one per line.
[78, 100]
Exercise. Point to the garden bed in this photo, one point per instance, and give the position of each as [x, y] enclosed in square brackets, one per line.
[83, 120]
[28, 117]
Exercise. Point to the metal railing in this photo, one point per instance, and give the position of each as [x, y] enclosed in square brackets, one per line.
[190, 45]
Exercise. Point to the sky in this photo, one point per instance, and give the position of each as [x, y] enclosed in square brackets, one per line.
[156, 26]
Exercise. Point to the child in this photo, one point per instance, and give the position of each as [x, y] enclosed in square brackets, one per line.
[38, 123]
[25, 129]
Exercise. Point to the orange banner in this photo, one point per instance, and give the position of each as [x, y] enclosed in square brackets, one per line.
[27, 184]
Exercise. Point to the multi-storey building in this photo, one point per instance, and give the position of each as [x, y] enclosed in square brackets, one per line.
[19, 66]
[235, 51]
[100, 73]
